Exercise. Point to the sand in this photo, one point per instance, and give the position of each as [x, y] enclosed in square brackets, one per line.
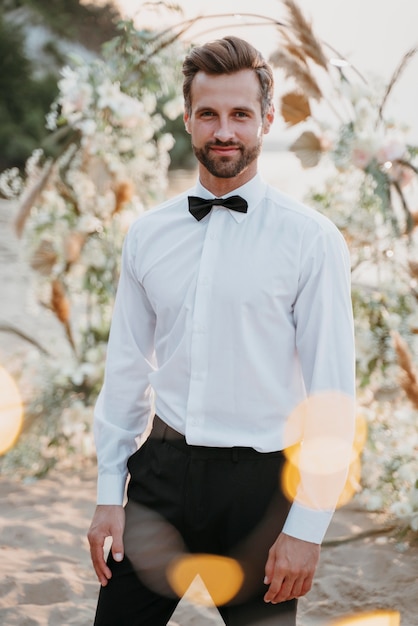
[46, 578]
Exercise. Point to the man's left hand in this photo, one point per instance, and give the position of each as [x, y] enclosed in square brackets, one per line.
[290, 568]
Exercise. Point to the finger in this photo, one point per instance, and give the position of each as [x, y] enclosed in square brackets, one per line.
[297, 589]
[269, 569]
[103, 572]
[275, 586]
[117, 547]
[284, 592]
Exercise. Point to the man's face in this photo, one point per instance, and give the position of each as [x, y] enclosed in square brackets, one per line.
[225, 123]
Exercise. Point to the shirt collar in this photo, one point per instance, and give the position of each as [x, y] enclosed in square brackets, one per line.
[252, 192]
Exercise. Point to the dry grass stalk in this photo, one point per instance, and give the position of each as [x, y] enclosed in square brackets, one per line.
[59, 301]
[31, 196]
[413, 269]
[414, 218]
[61, 307]
[296, 69]
[310, 44]
[73, 245]
[396, 76]
[123, 194]
[294, 48]
[409, 375]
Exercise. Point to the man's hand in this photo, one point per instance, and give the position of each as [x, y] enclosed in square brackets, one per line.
[290, 568]
[108, 521]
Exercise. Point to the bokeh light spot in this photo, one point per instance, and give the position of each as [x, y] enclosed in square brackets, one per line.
[11, 411]
[323, 468]
[291, 479]
[222, 577]
[373, 618]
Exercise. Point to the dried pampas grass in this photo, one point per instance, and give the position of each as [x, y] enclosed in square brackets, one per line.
[60, 305]
[409, 374]
[73, 245]
[294, 68]
[310, 45]
[124, 192]
[31, 196]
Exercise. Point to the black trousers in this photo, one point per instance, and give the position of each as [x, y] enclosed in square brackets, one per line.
[185, 501]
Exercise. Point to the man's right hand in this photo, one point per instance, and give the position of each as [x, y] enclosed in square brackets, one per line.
[108, 521]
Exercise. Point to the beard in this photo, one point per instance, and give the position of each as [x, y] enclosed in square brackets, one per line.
[227, 167]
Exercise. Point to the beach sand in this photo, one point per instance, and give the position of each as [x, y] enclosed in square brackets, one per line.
[46, 578]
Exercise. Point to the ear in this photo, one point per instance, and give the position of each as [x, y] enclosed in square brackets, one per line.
[269, 119]
[186, 119]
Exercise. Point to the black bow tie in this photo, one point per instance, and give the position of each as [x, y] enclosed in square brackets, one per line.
[199, 207]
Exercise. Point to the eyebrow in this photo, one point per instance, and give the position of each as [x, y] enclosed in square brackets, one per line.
[236, 108]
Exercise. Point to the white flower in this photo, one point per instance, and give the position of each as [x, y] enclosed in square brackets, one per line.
[401, 509]
[165, 143]
[393, 147]
[364, 148]
[408, 472]
[125, 144]
[88, 127]
[11, 184]
[149, 102]
[76, 95]
[374, 502]
[94, 255]
[89, 224]
[173, 108]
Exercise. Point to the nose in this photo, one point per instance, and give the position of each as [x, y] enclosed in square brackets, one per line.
[224, 131]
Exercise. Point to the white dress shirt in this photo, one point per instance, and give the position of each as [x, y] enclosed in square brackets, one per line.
[222, 327]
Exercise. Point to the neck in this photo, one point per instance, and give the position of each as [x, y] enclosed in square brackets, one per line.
[221, 186]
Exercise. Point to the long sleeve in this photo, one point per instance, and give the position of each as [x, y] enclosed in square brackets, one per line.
[125, 401]
[325, 347]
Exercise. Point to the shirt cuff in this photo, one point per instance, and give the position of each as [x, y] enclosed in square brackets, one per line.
[111, 488]
[307, 524]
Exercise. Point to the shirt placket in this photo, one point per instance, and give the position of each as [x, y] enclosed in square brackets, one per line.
[199, 353]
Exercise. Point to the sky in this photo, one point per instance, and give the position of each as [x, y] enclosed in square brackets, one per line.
[372, 34]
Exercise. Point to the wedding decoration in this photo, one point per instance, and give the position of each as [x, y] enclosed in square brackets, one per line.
[106, 160]
[108, 157]
[373, 198]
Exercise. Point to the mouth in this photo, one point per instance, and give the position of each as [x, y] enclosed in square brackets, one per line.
[224, 150]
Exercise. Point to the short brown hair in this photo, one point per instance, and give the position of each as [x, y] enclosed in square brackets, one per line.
[226, 56]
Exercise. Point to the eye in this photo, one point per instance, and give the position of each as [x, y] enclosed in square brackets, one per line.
[207, 114]
[241, 114]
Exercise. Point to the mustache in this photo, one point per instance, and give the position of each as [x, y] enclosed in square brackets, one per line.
[223, 144]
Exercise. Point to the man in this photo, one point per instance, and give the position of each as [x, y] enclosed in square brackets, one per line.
[230, 314]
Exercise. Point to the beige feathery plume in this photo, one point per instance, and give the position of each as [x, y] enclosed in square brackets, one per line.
[298, 70]
[310, 44]
[73, 245]
[414, 218]
[60, 305]
[123, 193]
[413, 268]
[409, 375]
[31, 196]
